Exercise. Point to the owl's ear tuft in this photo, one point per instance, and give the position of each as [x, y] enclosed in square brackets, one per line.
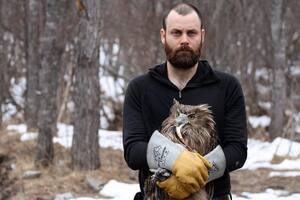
[175, 107]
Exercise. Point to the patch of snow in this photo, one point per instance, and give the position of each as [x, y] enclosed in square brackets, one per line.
[297, 129]
[295, 70]
[17, 90]
[262, 73]
[111, 139]
[287, 165]
[119, 190]
[285, 174]
[9, 110]
[286, 147]
[261, 153]
[127, 191]
[297, 121]
[20, 128]
[263, 89]
[112, 87]
[103, 117]
[259, 121]
[88, 198]
[28, 136]
[107, 139]
[64, 137]
[265, 105]
[268, 194]
[71, 105]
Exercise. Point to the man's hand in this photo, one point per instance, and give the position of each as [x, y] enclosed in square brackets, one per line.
[189, 168]
[192, 169]
[175, 188]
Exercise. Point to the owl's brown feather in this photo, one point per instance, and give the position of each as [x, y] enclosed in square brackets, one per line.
[199, 135]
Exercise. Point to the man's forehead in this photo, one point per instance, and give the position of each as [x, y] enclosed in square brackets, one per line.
[188, 21]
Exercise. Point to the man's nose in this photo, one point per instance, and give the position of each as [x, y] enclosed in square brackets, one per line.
[184, 40]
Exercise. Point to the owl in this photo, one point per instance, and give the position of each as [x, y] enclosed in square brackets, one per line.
[194, 128]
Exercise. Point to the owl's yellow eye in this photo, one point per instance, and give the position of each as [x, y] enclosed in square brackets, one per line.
[177, 113]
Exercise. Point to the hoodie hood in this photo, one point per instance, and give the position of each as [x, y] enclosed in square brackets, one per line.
[203, 76]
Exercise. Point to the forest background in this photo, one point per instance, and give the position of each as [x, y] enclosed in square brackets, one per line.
[69, 61]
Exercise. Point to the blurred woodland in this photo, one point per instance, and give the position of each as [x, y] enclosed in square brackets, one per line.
[62, 49]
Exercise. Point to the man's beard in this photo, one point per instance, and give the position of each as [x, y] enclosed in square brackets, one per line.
[183, 57]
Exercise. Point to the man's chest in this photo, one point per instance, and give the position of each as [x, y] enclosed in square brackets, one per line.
[156, 103]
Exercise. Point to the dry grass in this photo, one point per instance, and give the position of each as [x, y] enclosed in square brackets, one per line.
[259, 181]
[58, 178]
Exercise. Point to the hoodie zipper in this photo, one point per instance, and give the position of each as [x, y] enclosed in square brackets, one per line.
[179, 94]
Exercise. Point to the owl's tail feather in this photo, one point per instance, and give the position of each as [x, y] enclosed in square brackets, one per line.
[210, 189]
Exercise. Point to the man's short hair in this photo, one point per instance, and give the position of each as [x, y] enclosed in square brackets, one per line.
[182, 9]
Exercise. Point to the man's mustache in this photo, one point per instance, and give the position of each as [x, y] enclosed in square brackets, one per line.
[184, 48]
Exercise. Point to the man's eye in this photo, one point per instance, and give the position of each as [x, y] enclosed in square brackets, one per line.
[192, 33]
[176, 33]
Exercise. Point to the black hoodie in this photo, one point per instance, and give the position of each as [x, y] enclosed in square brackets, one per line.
[147, 103]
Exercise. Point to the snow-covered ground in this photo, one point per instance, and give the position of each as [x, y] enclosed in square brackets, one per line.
[259, 155]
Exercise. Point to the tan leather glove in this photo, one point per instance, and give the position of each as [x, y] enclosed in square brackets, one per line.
[175, 188]
[192, 169]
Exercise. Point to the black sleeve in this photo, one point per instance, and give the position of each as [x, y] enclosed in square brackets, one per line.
[234, 140]
[134, 132]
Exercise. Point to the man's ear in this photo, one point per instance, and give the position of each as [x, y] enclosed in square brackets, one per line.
[202, 35]
[162, 35]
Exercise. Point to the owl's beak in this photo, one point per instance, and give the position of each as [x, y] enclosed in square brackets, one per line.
[181, 121]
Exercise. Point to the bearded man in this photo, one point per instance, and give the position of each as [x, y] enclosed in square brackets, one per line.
[190, 81]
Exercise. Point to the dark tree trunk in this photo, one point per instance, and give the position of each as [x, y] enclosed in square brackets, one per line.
[51, 49]
[85, 147]
[32, 57]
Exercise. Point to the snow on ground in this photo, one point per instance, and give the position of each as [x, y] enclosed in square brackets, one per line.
[259, 155]
[285, 174]
[64, 137]
[124, 191]
[268, 194]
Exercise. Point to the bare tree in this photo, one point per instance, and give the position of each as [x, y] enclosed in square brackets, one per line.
[1, 77]
[2, 65]
[85, 147]
[279, 64]
[243, 45]
[51, 49]
[32, 38]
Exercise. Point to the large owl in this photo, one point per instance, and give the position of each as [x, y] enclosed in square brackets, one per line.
[194, 128]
